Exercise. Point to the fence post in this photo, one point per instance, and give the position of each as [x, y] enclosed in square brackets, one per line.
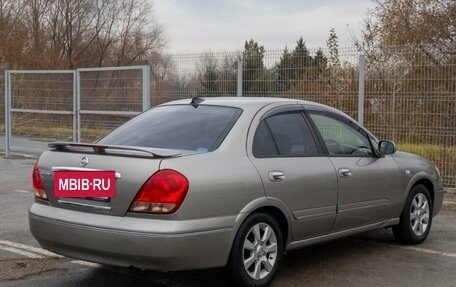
[75, 107]
[239, 78]
[7, 113]
[361, 82]
[145, 88]
[78, 105]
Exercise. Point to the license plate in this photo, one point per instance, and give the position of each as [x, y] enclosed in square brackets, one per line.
[85, 184]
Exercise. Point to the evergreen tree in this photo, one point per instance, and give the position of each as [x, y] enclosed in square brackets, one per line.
[295, 67]
[228, 75]
[321, 61]
[253, 72]
[301, 60]
[337, 84]
[208, 71]
[284, 71]
[333, 46]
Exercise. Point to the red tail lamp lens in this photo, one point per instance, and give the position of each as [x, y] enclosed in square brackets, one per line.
[163, 192]
[38, 186]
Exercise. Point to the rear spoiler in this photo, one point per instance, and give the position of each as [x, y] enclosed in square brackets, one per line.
[114, 149]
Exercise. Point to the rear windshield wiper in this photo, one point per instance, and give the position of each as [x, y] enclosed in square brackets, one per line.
[113, 149]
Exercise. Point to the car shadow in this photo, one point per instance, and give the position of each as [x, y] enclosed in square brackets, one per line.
[114, 276]
[319, 264]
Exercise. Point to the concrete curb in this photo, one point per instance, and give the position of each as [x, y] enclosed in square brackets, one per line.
[19, 156]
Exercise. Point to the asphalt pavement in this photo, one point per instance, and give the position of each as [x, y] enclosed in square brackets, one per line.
[369, 259]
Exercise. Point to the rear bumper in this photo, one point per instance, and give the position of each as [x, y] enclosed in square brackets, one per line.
[126, 241]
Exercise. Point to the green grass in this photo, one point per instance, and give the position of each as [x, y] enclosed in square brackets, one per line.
[45, 132]
[63, 133]
[430, 151]
[92, 134]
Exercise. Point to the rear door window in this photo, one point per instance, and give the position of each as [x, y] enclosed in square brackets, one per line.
[185, 127]
[285, 135]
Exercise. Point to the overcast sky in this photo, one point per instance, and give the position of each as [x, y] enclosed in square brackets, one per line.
[224, 25]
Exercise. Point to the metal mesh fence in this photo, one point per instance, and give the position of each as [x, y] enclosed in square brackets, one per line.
[44, 105]
[111, 90]
[411, 99]
[108, 98]
[410, 95]
[181, 76]
[308, 74]
[34, 93]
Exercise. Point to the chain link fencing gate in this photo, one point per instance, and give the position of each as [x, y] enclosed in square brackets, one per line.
[108, 97]
[40, 106]
[70, 105]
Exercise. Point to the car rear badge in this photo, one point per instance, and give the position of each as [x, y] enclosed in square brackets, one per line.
[84, 161]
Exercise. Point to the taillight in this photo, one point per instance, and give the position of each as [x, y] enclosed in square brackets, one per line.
[163, 192]
[38, 187]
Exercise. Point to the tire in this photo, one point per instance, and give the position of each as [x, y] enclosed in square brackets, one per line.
[262, 253]
[416, 217]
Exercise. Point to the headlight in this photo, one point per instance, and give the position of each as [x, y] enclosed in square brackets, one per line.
[438, 171]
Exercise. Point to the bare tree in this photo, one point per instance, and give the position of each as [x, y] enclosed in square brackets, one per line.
[13, 34]
[34, 11]
[139, 35]
[74, 33]
[427, 26]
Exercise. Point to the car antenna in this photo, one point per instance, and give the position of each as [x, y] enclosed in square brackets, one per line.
[196, 101]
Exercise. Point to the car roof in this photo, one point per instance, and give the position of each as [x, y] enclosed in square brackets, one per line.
[243, 102]
[255, 103]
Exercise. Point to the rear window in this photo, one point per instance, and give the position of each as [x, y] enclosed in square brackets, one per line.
[199, 128]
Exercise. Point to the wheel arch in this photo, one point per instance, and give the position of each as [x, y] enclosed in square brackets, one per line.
[239, 275]
[428, 184]
[272, 207]
[423, 179]
[280, 217]
[405, 231]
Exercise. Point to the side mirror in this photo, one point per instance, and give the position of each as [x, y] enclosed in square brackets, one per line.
[386, 147]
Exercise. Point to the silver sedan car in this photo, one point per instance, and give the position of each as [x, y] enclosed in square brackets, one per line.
[234, 182]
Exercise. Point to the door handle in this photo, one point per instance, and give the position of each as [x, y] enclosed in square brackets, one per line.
[345, 172]
[276, 176]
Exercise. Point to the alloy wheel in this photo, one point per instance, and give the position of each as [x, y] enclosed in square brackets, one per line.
[260, 251]
[419, 214]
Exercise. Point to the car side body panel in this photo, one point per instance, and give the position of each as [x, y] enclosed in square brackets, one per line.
[371, 194]
[234, 183]
[309, 188]
[309, 191]
[414, 168]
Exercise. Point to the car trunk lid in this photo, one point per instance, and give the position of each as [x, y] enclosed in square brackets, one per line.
[132, 166]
